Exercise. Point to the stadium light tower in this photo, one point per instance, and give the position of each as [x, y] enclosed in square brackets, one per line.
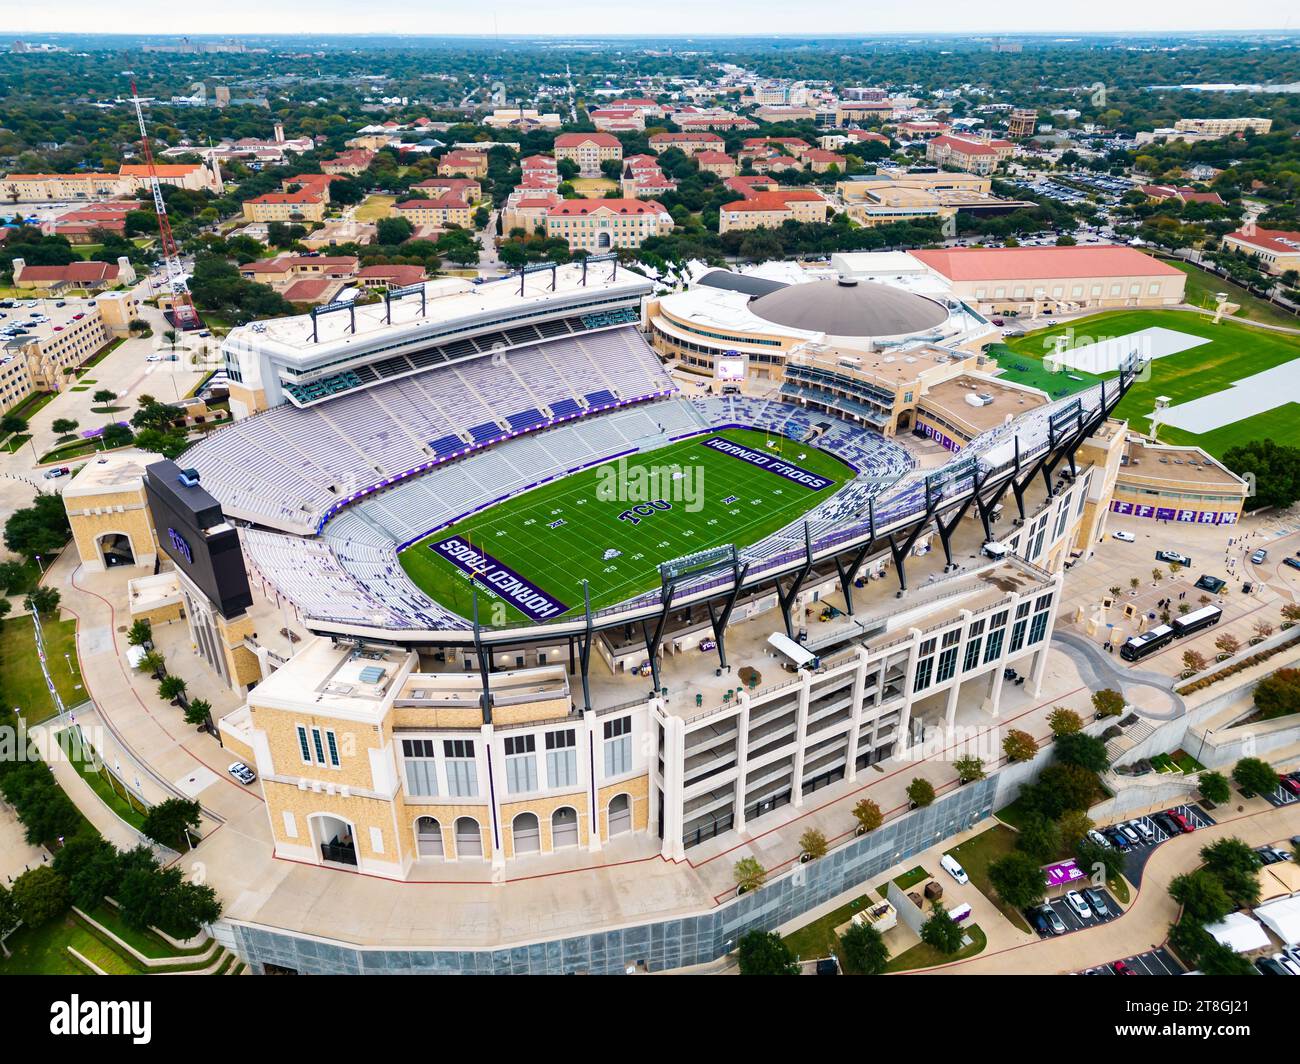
[184, 316]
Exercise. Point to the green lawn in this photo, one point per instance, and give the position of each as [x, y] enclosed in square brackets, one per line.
[556, 532]
[1203, 289]
[110, 792]
[1023, 367]
[923, 956]
[43, 951]
[975, 855]
[22, 684]
[145, 941]
[818, 939]
[906, 881]
[1235, 351]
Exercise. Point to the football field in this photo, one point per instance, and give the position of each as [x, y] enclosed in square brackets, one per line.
[1208, 362]
[613, 524]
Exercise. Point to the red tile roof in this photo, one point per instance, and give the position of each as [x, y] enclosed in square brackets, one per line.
[1281, 241]
[398, 275]
[678, 138]
[75, 272]
[963, 147]
[1031, 264]
[778, 200]
[574, 140]
[583, 207]
[714, 158]
[308, 291]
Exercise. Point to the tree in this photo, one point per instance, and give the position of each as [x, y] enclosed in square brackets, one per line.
[1039, 837]
[1202, 896]
[1096, 860]
[104, 396]
[12, 576]
[12, 423]
[41, 528]
[390, 231]
[1019, 745]
[763, 953]
[1218, 959]
[42, 600]
[1252, 774]
[749, 874]
[171, 687]
[64, 426]
[864, 949]
[140, 633]
[90, 865]
[1193, 660]
[151, 662]
[1228, 643]
[1274, 467]
[199, 711]
[1214, 787]
[1108, 702]
[115, 435]
[813, 843]
[941, 932]
[171, 444]
[1064, 787]
[1073, 827]
[39, 896]
[868, 815]
[1262, 631]
[168, 821]
[1235, 865]
[921, 792]
[8, 911]
[1064, 721]
[1086, 751]
[1018, 879]
[1278, 694]
[969, 769]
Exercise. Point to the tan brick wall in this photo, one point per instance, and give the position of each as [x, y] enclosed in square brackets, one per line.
[550, 709]
[173, 611]
[638, 790]
[355, 741]
[446, 814]
[418, 717]
[362, 813]
[544, 809]
[133, 521]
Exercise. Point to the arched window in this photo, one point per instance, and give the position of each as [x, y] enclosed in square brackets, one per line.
[564, 828]
[469, 838]
[620, 815]
[428, 837]
[527, 834]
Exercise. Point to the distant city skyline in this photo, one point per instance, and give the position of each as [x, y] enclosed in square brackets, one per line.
[664, 18]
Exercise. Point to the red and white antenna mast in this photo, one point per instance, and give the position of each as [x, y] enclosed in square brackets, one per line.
[184, 316]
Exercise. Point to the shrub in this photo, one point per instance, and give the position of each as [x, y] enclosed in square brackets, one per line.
[921, 792]
[868, 815]
[813, 843]
[749, 874]
[1019, 745]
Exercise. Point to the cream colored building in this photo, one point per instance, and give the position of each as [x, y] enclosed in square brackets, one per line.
[1223, 127]
[305, 205]
[130, 179]
[602, 225]
[525, 118]
[43, 358]
[588, 150]
[770, 210]
[1278, 250]
[108, 512]
[464, 164]
[449, 209]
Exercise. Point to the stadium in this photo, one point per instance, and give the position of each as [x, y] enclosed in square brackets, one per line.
[559, 593]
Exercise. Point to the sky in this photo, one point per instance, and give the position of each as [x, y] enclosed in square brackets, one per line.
[661, 17]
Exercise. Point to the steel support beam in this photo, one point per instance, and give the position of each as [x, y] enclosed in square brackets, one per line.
[786, 598]
[719, 620]
[653, 642]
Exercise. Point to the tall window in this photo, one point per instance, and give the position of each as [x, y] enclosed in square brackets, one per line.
[618, 746]
[521, 764]
[462, 772]
[421, 768]
[561, 758]
[313, 744]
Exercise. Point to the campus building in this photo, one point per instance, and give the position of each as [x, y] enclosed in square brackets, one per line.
[1032, 281]
[588, 150]
[305, 205]
[130, 179]
[1213, 128]
[464, 164]
[1278, 250]
[601, 225]
[771, 209]
[1181, 484]
[975, 155]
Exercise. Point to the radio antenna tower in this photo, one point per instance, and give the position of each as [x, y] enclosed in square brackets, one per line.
[184, 316]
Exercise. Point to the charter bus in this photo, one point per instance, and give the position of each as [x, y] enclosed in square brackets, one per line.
[1139, 646]
[1196, 620]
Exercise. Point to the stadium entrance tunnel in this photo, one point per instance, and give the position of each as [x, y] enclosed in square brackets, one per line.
[334, 837]
[115, 549]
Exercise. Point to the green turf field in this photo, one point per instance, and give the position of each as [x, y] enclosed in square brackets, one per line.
[519, 532]
[1235, 351]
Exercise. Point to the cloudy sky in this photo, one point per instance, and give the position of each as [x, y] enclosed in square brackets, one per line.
[662, 17]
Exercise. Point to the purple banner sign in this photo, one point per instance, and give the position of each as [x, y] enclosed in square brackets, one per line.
[938, 436]
[1165, 513]
[526, 597]
[771, 462]
[1061, 873]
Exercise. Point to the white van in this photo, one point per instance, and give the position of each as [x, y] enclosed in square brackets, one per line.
[955, 870]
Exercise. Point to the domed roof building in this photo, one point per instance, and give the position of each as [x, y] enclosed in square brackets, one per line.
[851, 309]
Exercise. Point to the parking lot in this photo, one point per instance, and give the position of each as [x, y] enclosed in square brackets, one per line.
[1281, 796]
[1071, 919]
[1150, 833]
[1153, 962]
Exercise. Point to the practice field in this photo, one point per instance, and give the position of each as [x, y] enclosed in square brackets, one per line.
[1231, 354]
[613, 524]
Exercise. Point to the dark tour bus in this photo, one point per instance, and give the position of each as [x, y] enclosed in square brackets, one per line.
[1139, 646]
[1196, 620]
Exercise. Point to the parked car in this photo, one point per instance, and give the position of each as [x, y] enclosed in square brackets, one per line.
[1290, 785]
[1166, 823]
[1288, 964]
[1294, 563]
[1144, 829]
[1173, 556]
[1097, 899]
[1259, 556]
[1125, 537]
[1131, 835]
[1054, 921]
[242, 772]
[1184, 825]
[1076, 901]
[56, 472]
[1038, 920]
[1120, 968]
[1118, 838]
[1100, 839]
[954, 869]
[1268, 966]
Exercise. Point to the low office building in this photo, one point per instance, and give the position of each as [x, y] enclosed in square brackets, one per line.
[1278, 250]
[602, 225]
[770, 210]
[351, 163]
[1223, 127]
[618, 120]
[1032, 281]
[90, 276]
[305, 205]
[716, 162]
[464, 164]
[975, 155]
[522, 118]
[894, 194]
[588, 150]
[527, 209]
[285, 270]
[689, 142]
[130, 179]
[382, 278]
[447, 209]
[1182, 484]
[466, 188]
